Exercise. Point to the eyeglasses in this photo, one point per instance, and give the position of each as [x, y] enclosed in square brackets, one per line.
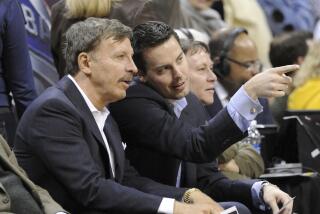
[256, 64]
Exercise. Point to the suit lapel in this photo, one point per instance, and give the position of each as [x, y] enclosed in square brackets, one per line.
[217, 101]
[141, 90]
[114, 141]
[77, 100]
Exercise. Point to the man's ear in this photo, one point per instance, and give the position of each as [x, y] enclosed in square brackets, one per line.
[300, 60]
[142, 76]
[84, 62]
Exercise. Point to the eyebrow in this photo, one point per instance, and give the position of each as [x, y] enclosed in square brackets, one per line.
[180, 55]
[205, 64]
[161, 66]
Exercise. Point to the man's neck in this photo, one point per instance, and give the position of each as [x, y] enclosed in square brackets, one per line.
[92, 95]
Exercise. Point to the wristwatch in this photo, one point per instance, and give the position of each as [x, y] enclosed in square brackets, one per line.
[186, 196]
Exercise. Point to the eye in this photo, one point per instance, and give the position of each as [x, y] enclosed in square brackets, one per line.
[120, 56]
[202, 69]
[248, 64]
[163, 69]
[180, 59]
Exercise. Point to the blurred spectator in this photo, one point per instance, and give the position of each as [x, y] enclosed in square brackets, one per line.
[201, 16]
[241, 161]
[316, 9]
[287, 48]
[66, 13]
[51, 2]
[37, 17]
[289, 15]
[250, 16]
[306, 95]
[192, 34]
[16, 78]
[218, 6]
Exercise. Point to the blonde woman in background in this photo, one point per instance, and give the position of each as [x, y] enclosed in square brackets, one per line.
[306, 95]
[67, 12]
[88, 8]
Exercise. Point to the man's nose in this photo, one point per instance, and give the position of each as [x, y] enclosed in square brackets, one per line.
[253, 70]
[211, 76]
[177, 71]
[131, 67]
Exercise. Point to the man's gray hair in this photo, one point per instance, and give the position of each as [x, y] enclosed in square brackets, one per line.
[85, 36]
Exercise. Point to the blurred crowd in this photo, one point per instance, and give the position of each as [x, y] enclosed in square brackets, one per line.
[194, 74]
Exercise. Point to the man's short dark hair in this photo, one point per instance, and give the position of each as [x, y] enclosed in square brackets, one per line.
[286, 48]
[148, 35]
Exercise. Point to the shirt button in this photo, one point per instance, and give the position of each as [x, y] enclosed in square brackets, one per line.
[253, 110]
[5, 200]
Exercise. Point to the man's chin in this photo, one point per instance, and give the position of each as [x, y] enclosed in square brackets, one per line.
[118, 97]
[180, 95]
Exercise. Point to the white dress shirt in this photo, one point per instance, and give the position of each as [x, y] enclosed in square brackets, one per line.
[100, 117]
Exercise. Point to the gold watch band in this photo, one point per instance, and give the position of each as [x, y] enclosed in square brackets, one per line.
[186, 196]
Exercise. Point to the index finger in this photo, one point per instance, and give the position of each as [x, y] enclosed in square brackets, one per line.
[287, 205]
[274, 206]
[285, 69]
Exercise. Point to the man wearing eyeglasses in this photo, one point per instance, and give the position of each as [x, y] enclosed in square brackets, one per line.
[235, 58]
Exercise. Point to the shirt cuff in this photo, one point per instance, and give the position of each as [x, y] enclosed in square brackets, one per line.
[166, 206]
[255, 192]
[242, 109]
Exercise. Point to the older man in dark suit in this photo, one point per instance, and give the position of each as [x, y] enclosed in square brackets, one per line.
[69, 144]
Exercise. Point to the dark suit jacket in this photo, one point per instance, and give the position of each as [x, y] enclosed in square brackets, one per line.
[146, 120]
[157, 141]
[264, 117]
[60, 147]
